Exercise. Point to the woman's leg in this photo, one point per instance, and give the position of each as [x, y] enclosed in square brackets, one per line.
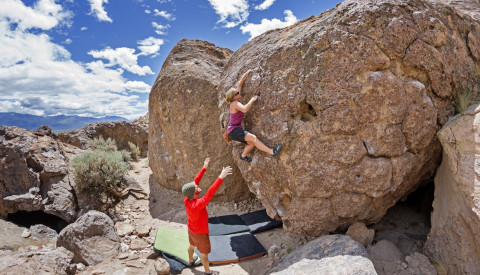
[248, 148]
[251, 138]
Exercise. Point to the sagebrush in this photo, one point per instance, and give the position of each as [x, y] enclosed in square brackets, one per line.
[99, 143]
[100, 170]
[134, 150]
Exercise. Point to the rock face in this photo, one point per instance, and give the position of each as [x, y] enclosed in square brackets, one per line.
[329, 253]
[120, 131]
[44, 261]
[356, 96]
[34, 174]
[184, 127]
[470, 7]
[92, 238]
[454, 239]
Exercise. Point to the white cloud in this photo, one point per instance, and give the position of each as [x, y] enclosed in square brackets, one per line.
[148, 11]
[83, 28]
[39, 77]
[67, 41]
[123, 57]
[150, 46]
[97, 9]
[266, 25]
[138, 86]
[265, 5]
[164, 14]
[44, 14]
[232, 12]
[160, 29]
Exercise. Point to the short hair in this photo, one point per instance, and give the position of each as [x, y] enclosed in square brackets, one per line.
[230, 94]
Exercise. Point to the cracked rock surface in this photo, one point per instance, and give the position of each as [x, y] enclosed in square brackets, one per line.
[356, 96]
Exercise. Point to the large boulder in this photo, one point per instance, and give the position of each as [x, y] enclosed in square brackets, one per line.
[34, 174]
[43, 261]
[121, 131]
[184, 126]
[356, 96]
[454, 240]
[323, 255]
[92, 238]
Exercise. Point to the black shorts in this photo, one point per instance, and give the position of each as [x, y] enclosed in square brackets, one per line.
[238, 134]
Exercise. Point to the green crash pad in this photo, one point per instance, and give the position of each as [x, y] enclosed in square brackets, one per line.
[173, 242]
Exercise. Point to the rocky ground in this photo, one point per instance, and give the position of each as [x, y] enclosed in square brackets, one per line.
[136, 219]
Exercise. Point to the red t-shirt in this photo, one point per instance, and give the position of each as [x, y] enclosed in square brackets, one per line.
[197, 208]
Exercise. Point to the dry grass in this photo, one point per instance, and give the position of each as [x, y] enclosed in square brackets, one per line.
[465, 100]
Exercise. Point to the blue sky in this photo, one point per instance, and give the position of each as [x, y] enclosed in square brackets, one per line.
[100, 58]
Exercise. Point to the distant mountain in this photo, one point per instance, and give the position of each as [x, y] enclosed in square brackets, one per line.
[57, 123]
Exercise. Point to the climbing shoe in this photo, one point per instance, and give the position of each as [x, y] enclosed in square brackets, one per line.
[190, 264]
[277, 150]
[247, 159]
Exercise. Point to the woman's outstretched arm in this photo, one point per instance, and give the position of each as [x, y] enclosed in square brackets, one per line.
[240, 84]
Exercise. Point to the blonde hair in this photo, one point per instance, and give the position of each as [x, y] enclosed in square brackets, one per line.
[230, 94]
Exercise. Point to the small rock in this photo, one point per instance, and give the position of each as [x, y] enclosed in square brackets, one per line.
[81, 267]
[162, 267]
[124, 247]
[124, 228]
[138, 244]
[26, 233]
[136, 264]
[360, 233]
[153, 255]
[98, 271]
[123, 255]
[274, 253]
[143, 230]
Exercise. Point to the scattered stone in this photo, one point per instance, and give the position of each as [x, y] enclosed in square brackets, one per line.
[418, 264]
[152, 255]
[143, 230]
[41, 232]
[359, 232]
[138, 244]
[92, 238]
[123, 255]
[343, 253]
[135, 264]
[98, 271]
[44, 261]
[162, 267]
[124, 228]
[26, 233]
[81, 267]
[274, 253]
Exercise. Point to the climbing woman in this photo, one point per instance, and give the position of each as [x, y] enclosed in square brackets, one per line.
[235, 130]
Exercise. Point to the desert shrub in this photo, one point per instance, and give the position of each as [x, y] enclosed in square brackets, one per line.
[466, 99]
[135, 151]
[103, 144]
[126, 155]
[99, 170]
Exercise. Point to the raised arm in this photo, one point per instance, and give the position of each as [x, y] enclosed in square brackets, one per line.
[199, 176]
[240, 84]
[244, 108]
[214, 187]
